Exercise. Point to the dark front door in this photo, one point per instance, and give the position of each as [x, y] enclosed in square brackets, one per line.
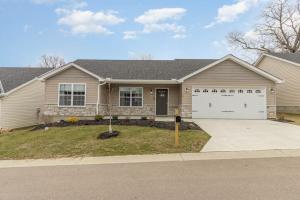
[162, 101]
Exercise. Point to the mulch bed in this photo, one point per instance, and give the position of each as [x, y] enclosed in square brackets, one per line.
[107, 135]
[126, 122]
[284, 120]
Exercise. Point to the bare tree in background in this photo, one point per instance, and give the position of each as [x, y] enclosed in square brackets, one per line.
[278, 31]
[145, 57]
[48, 61]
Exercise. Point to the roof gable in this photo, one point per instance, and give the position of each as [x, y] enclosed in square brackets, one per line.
[292, 58]
[238, 61]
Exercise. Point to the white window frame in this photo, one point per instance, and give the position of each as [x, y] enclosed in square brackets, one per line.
[72, 89]
[131, 97]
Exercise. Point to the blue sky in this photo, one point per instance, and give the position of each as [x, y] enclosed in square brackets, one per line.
[120, 29]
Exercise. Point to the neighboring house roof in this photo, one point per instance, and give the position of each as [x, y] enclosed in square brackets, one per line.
[293, 58]
[154, 71]
[13, 77]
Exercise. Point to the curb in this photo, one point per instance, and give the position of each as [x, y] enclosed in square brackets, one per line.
[178, 157]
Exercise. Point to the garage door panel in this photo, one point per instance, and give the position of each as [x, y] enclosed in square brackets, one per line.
[229, 103]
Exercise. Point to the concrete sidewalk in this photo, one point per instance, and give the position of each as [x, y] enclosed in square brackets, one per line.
[150, 158]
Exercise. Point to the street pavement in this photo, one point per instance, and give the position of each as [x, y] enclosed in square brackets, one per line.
[241, 179]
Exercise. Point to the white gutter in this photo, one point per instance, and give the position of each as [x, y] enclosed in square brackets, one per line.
[99, 96]
[125, 81]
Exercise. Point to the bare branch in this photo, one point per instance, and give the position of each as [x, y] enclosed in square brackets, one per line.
[278, 30]
[48, 61]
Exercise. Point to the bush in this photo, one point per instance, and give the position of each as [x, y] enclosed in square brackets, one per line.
[115, 117]
[98, 118]
[72, 120]
[144, 118]
[281, 117]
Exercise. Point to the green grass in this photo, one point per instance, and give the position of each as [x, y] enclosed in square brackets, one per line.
[293, 117]
[82, 141]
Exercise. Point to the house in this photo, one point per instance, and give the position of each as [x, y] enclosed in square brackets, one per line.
[21, 96]
[226, 88]
[286, 66]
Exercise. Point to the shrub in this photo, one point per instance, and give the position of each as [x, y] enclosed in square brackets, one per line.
[281, 117]
[115, 117]
[98, 118]
[72, 120]
[144, 118]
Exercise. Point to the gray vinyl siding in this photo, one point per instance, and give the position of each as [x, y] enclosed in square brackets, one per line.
[19, 109]
[288, 93]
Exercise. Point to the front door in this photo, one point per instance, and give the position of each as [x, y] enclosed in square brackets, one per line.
[162, 101]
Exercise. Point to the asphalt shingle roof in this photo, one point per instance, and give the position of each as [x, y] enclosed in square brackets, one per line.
[294, 57]
[12, 77]
[144, 69]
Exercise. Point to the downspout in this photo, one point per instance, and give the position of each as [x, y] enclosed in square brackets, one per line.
[99, 95]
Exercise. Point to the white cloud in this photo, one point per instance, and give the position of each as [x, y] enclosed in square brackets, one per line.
[229, 13]
[251, 35]
[129, 35]
[70, 4]
[162, 20]
[84, 22]
[154, 16]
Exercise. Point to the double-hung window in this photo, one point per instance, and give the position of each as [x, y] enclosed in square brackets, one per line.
[72, 94]
[131, 96]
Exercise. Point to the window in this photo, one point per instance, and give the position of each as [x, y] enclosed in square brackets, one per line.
[197, 90]
[131, 96]
[231, 91]
[240, 91]
[258, 91]
[205, 91]
[71, 94]
[214, 91]
[249, 91]
[223, 91]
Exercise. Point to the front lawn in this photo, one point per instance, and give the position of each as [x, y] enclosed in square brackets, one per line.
[293, 117]
[82, 141]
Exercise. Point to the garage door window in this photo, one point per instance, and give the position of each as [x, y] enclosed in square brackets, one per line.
[258, 91]
[249, 91]
[241, 91]
[214, 91]
[205, 91]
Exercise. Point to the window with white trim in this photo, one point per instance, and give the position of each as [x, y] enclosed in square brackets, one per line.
[72, 94]
[131, 96]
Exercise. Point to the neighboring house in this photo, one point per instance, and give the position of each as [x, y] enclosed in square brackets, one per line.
[227, 88]
[286, 66]
[21, 96]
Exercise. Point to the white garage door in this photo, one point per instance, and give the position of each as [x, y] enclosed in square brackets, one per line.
[229, 103]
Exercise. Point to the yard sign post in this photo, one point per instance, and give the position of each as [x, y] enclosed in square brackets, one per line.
[177, 122]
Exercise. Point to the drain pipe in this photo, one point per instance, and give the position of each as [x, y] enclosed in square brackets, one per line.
[99, 96]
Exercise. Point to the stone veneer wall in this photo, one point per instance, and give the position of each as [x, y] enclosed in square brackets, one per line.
[272, 112]
[288, 109]
[54, 110]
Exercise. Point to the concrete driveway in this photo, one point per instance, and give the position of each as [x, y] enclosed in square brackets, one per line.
[243, 135]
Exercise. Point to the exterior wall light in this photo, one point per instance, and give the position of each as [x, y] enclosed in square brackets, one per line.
[272, 90]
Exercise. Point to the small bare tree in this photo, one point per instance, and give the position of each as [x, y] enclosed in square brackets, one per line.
[277, 31]
[48, 61]
[145, 57]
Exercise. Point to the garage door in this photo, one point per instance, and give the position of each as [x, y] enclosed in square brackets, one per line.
[229, 103]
